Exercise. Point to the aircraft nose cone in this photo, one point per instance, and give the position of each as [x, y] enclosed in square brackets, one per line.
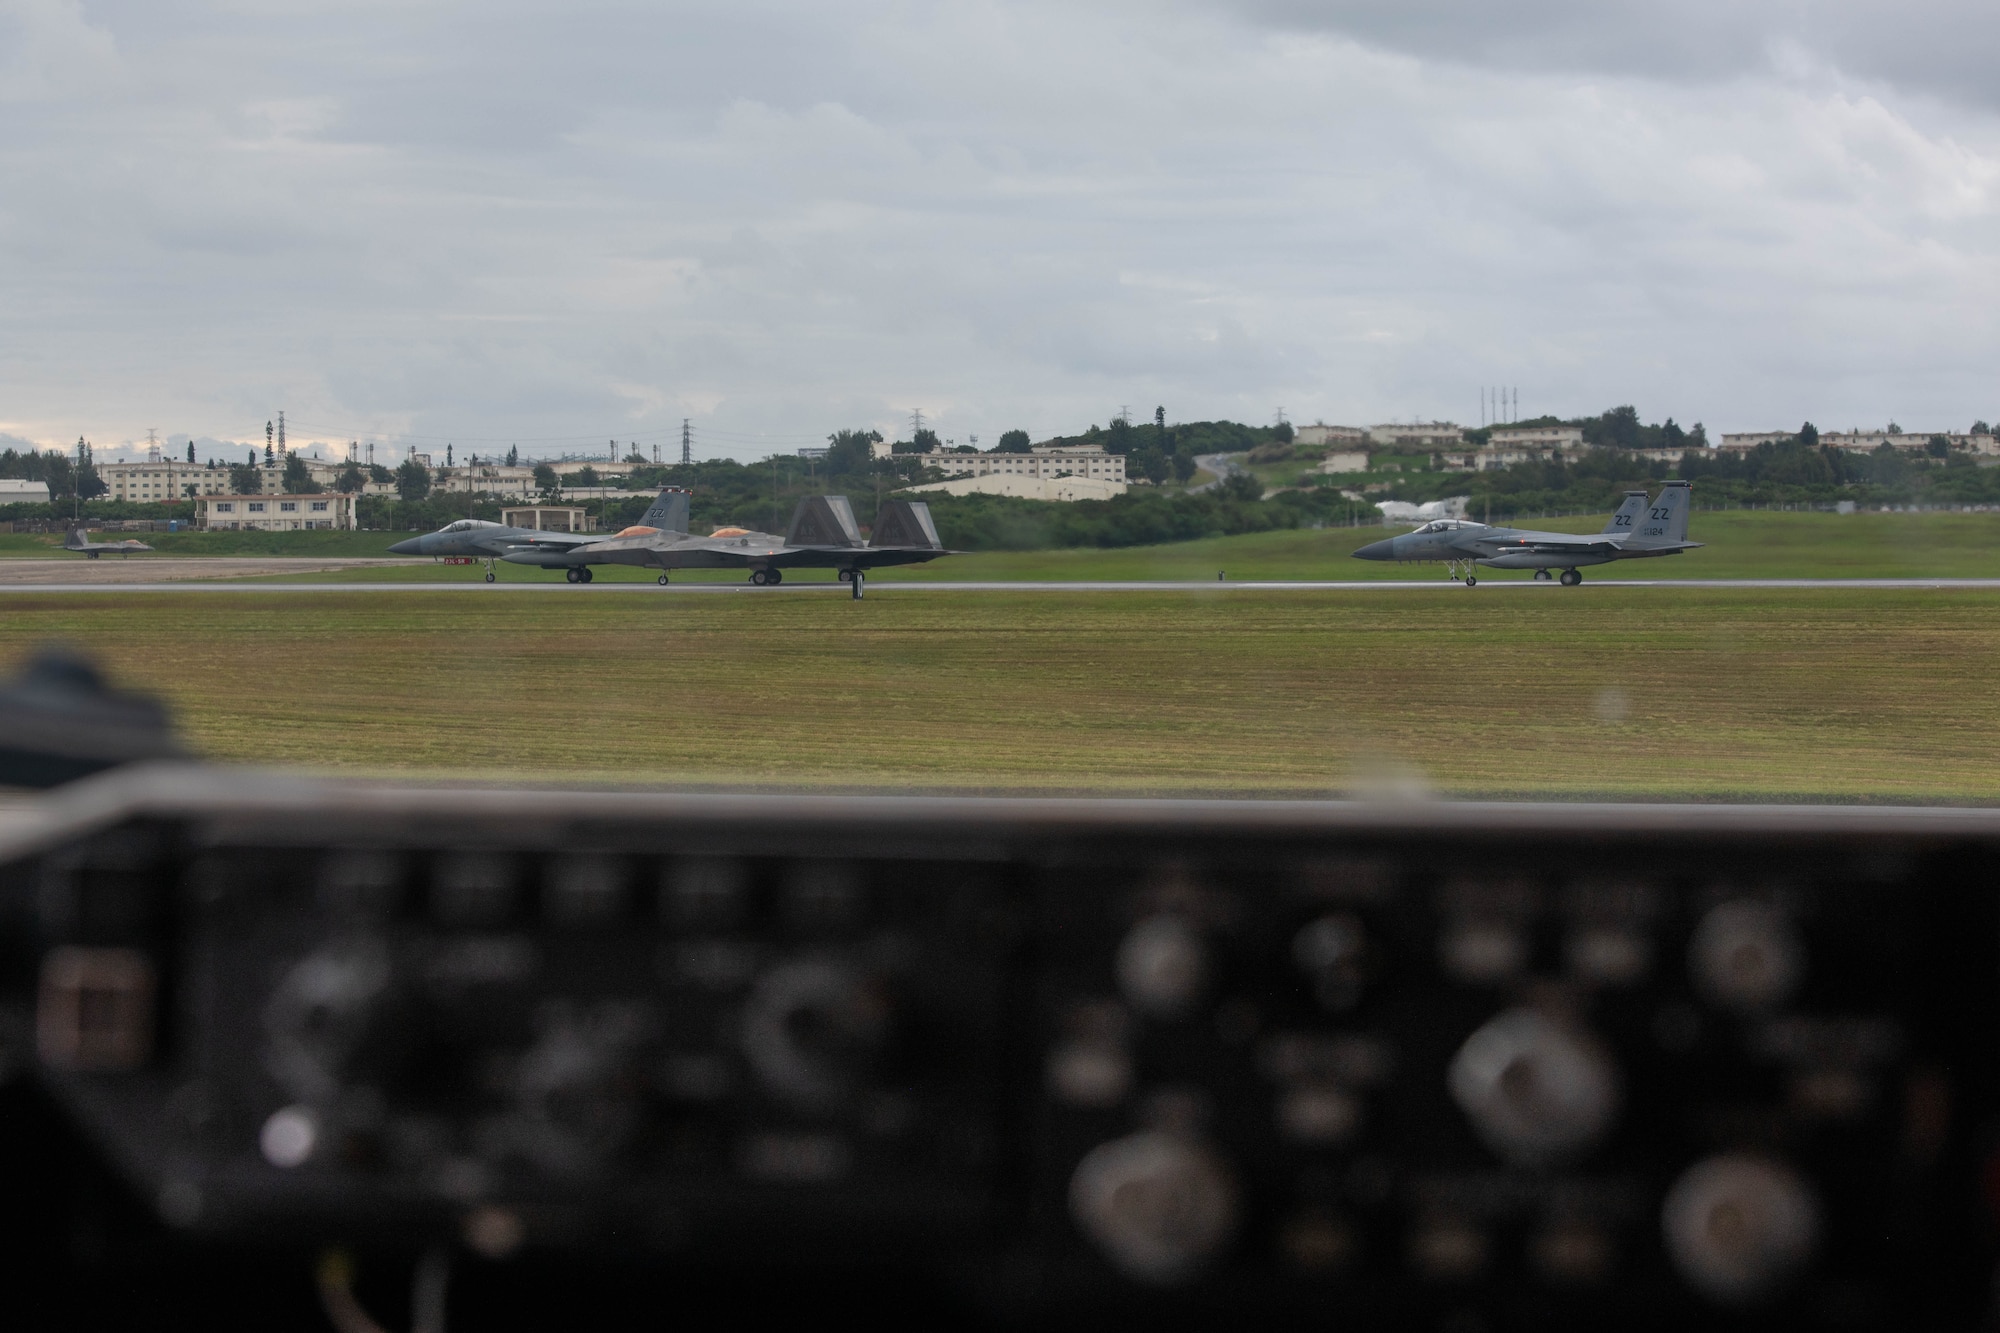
[1382, 550]
[410, 546]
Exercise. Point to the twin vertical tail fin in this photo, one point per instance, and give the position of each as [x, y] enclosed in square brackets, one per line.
[669, 513]
[906, 524]
[1627, 517]
[1665, 520]
[823, 520]
[75, 540]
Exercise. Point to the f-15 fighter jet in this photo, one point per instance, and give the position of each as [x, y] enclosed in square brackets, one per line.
[1638, 529]
[823, 535]
[76, 541]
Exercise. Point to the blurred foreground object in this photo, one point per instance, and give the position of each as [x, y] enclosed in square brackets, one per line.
[1226, 1063]
[60, 720]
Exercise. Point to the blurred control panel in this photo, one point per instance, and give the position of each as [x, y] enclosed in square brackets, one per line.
[1419, 1066]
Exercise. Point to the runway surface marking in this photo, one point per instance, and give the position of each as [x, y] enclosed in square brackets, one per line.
[574, 589]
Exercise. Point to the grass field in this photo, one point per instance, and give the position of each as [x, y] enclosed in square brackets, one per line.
[1626, 693]
[1740, 544]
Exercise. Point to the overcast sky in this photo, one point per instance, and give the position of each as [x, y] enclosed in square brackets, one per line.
[557, 224]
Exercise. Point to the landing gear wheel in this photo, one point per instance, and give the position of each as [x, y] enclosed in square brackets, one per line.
[663, 580]
[1542, 576]
[847, 576]
[1570, 578]
[1471, 580]
[860, 582]
[777, 576]
[573, 574]
[489, 576]
[759, 577]
[584, 575]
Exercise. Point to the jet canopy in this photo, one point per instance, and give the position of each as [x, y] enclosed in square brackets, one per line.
[468, 524]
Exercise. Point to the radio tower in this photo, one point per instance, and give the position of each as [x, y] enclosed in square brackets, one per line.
[687, 447]
[281, 434]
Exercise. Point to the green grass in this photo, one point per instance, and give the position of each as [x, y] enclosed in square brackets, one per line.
[1624, 693]
[1740, 544]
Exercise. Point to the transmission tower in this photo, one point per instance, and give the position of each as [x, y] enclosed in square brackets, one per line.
[916, 422]
[687, 447]
[281, 432]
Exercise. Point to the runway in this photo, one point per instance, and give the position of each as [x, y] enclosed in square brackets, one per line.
[892, 588]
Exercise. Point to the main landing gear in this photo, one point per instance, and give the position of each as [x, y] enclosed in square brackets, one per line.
[1543, 576]
[858, 579]
[760, 577]
[1570, 578]
[578, 574]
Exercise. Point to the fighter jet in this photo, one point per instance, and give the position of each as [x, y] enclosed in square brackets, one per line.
[482, 539]
[823, 535]
[76, 541]
[1639, 529]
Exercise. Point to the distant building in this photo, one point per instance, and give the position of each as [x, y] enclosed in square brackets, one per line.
[1866, 441]
[1084, 462]
[495, 479]
[1320, 433]
[1344, 460]
[1535, 437]
[1418, 435]
[550, 518]
[1066, 490]
[14, 491]
[275, 513]
[165, 481]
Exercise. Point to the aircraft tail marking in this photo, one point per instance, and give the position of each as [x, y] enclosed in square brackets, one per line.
[905, 523]
[669, 513]
[1628, 515]
[1665, 521]
[823, 520]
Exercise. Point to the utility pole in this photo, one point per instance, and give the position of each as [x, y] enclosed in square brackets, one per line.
[687, 445]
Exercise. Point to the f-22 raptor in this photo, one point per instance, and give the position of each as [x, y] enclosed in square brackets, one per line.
[76, 541]
[1640, 529]
[823, 535]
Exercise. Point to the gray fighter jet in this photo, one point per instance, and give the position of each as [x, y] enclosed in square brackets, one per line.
[76, 541]
[823, 535]
[481, 539]
[1639, 529]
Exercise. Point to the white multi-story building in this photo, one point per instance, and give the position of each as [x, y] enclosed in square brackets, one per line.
[275, 513]
[1321, 433]
[1535, 437]
[1081, 461]
[1418, 435]
[1867, 441]
[165, 480]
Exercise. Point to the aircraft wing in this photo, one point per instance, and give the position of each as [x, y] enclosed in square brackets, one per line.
[1553, 543]
[559, 542]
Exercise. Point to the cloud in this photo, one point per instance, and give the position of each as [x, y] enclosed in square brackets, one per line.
[519, 223]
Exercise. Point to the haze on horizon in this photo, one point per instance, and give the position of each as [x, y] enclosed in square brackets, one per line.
[556, 225]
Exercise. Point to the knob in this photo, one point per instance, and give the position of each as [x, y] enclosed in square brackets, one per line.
[1537, 1091]
[1159, 1205]
[814, 1029]
[1739, 1225]
[1746, 955]
[1162, 967]
[1333, 953]
[330, 1019]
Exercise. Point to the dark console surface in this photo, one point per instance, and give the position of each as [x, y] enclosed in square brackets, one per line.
[1403, 1066]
